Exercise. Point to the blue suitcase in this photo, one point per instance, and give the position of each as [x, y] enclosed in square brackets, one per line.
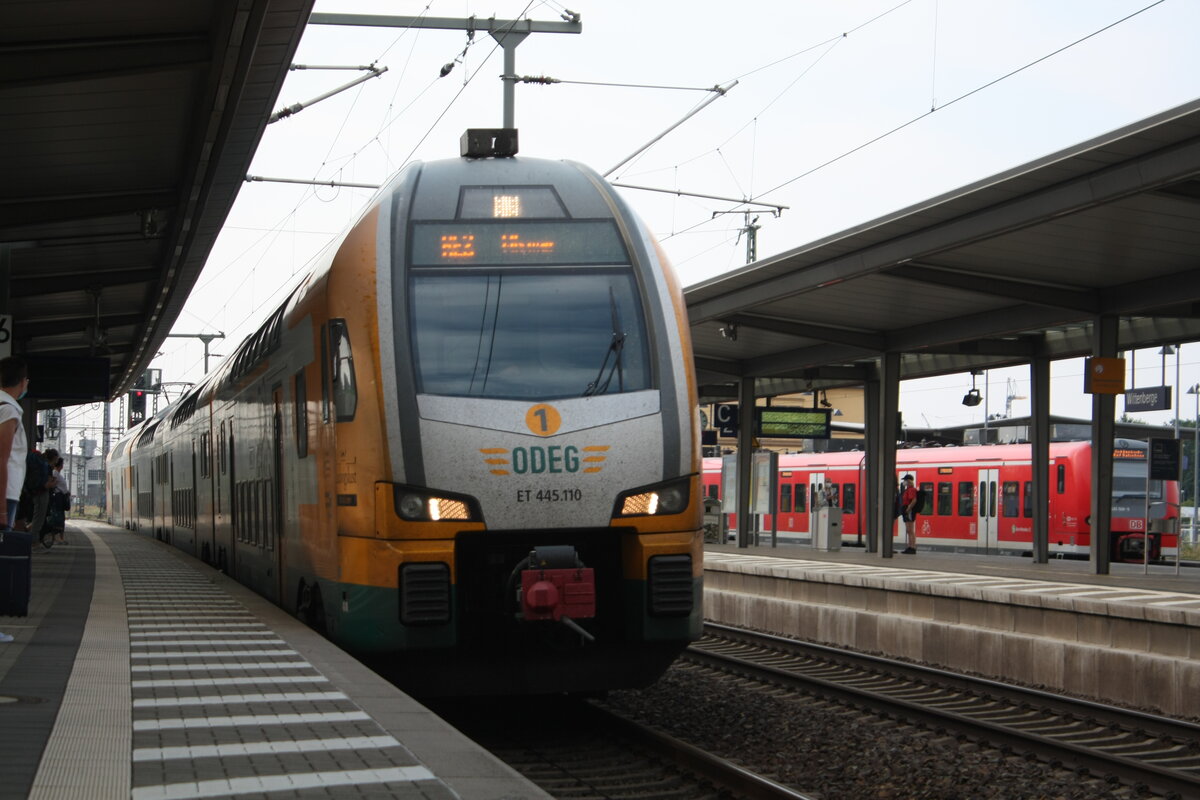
[16, 572]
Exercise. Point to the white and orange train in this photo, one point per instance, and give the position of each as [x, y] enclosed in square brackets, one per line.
[465, 446]
[979, 499]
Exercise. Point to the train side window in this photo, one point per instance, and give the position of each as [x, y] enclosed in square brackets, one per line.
[1028, 505]
[848, 499]
[945, 499]
[991, 498]
[800, 507]
[833, 495]
[345, 390]
[1062, 478]
[713, 490]
[966, 499]
[927, 507]
[785, 498]
[1011, 499]
[301, 398]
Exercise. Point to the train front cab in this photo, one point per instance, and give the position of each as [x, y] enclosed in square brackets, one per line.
[456, 602]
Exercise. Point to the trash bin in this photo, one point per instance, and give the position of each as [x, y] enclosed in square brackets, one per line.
[713, 519]
[16, 572]
[829, 529]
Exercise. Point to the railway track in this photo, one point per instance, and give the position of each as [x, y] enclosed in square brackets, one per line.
[575, 750]
[1138, 749]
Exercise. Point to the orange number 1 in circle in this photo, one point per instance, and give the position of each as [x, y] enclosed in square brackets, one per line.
[543, 420]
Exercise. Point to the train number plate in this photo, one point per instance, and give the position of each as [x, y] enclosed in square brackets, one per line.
[549, 495]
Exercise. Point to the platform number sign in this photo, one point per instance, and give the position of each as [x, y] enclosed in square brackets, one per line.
[6, 327]
[725, 417]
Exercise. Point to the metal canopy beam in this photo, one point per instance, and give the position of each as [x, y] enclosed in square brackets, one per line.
[1039, 294]
[809, 330]
[1144, 173]
[45, 210]
[98, 279]
[42, 63]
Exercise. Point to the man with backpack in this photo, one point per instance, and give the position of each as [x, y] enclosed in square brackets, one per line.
[39, 480]
[910, 504]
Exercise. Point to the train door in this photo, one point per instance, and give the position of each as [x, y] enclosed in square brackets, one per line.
[275, 517]
[816, 499]
[229, 482]
[985, 508]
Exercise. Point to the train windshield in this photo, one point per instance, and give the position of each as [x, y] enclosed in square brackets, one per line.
[509, 334]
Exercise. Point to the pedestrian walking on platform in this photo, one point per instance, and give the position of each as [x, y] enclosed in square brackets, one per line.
[14, 382]
[908, 504]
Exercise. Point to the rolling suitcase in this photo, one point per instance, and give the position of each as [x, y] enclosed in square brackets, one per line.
[16, 572]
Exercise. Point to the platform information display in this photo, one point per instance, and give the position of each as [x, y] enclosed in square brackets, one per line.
[794, 423]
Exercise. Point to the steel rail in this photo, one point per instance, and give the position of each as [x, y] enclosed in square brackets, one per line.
[744, 784]
[1000, 699]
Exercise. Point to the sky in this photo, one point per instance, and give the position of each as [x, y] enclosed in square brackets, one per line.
[843, 111]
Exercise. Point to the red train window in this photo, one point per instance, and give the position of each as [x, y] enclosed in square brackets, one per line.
[966, 499]
[1011, 499]
[945, 499]
[848, 499]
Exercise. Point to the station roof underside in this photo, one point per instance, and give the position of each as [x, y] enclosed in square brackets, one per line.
[1013, 267]
[126, 132]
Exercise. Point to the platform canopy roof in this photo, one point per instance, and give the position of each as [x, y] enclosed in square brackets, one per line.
[1012, 267]
[126, 128]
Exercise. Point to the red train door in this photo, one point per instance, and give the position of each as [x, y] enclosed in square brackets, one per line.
[816, 494]
[988, 535]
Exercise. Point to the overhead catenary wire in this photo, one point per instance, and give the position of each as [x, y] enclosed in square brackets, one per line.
[963, 96]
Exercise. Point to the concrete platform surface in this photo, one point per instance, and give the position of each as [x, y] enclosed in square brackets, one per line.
[1128, 637]
[142, 673]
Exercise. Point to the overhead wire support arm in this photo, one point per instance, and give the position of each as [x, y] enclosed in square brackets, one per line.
[297, 107]
[334, 184]
[718, 91]
[774, 208]
[509, 33]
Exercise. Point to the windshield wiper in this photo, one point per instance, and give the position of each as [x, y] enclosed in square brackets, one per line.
[616, 348]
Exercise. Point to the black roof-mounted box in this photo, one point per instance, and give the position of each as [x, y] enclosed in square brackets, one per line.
[488, 143]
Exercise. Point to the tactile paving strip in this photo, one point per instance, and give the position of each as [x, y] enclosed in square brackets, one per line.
[220, 706]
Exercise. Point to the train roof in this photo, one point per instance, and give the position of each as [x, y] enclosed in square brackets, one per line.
[936, 455]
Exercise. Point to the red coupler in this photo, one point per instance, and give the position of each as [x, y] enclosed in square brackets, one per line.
[557, 593]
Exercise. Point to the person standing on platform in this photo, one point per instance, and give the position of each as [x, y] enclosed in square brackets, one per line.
[60, 503]
[14, 382]
[908, 504]
[41, 499]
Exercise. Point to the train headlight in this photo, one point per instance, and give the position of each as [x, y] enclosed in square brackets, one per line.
[424, 505]
[411, 507]
[671, 497]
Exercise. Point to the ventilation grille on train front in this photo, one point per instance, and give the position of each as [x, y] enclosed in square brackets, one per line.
[425, 594]
[671, 586]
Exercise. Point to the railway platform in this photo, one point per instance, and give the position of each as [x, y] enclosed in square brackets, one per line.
[1128, 637]
[142, 673]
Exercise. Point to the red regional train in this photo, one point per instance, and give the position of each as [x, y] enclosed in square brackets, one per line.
[979, 499]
